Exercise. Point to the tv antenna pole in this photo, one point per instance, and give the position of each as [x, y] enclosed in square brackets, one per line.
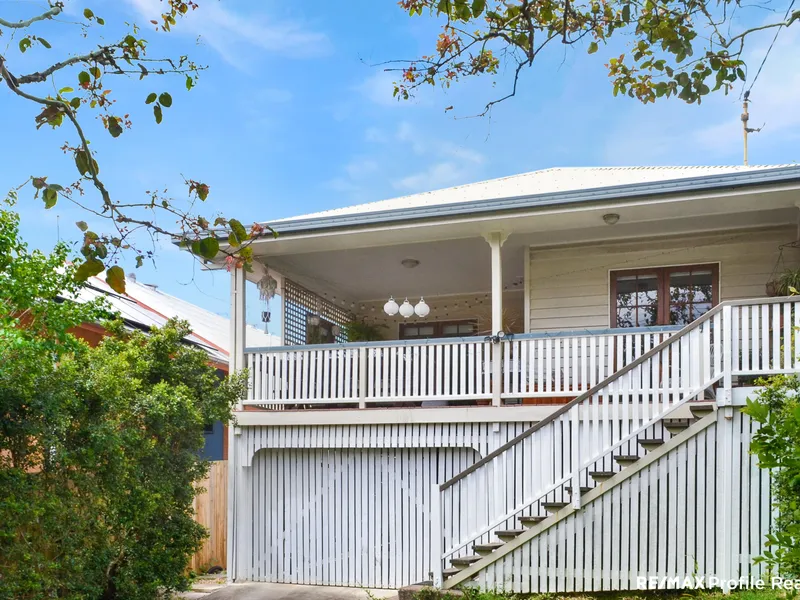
[745, 129]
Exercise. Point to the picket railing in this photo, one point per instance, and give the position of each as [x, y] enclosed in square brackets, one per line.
[441, 371]
[372, 373]
[737, 338]
[569, 363]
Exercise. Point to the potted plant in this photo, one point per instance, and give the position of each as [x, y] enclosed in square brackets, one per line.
[787, 284]
[360, 331]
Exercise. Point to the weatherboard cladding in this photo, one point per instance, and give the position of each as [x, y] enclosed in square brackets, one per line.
[569, 286]
[431, 205]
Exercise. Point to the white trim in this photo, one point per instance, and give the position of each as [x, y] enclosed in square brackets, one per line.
[528, 413]
[526, 283]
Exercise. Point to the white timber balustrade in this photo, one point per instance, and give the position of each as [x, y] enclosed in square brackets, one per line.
[545, 468]
[372, 373]
[568, 363]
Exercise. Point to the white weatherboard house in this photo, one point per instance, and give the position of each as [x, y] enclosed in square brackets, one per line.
[565, 414]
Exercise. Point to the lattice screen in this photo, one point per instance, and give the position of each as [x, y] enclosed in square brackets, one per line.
[301, 303]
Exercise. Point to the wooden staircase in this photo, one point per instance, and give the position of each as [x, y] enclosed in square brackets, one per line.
[462, 569]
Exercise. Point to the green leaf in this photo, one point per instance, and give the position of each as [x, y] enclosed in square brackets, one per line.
[477, 7]
[151, 98]
[91, 267]
[24, 44]
[84, 77]
[87, 12]
[233, 241]
[44, 42]
[50, 197]
[626, 13]
[75, 103]
[189, 83]
[157, 113]
[96, 72]
[82, 162]
[114, 128]
[100, 21]
[238, 229]
[65, 90]
[208, 247]
[593, 47]
[82, 225]
[165, 99]
[115, 278]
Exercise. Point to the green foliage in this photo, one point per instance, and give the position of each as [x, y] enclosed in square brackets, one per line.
[788, 283]
[89, 60]
[682, 48]
[777, 446]
[359, 331]
[98, 446]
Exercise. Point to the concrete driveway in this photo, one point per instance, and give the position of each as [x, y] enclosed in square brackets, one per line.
[282, 591]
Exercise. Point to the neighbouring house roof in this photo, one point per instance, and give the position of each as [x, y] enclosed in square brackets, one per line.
[560, 185]
[210, 326]
[144, 307]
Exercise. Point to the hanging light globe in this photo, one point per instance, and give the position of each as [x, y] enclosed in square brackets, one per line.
[406, 309]
[391, 308]
[422, 309]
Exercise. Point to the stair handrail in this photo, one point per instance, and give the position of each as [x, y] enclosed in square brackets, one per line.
[608, 380]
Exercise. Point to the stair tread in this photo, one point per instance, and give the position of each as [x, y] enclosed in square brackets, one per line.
[509, 532]
[602, 473]
[627, 458]
[465, 560]
[532, 518]
[585, 489]
[488, 547]
[647, 441]
[450, 571]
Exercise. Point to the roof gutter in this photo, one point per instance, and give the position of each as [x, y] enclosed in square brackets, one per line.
[492, 206]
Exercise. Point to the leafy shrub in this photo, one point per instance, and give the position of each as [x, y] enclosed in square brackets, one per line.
[98, 446]
[777, 445]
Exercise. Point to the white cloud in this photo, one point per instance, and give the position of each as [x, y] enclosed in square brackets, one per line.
[378, 88]
[234, 35]
[438, 175]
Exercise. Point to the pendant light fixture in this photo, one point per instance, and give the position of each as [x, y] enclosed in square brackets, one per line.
[406, 310]
[391, 308]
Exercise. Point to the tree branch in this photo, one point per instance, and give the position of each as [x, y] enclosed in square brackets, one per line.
[41, 76]
[56, 10]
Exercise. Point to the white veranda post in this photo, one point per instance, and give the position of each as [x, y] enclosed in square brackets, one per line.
[496, 240]
[235, 363]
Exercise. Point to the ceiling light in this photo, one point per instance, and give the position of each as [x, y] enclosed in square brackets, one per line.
[611, 218]
[409, 263]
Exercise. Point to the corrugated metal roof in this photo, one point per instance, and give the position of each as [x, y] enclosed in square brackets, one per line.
[208, 325]
[139, 316]
[558, 180]
[145, 306]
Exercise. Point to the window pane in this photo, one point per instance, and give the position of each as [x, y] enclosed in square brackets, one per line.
[411, 331]
[466, 328]
[679, 314]
[647, 289]
[637, 300]
[426, 330]
[626, 317]
[699, 309]
[626, 289]
[450, 330]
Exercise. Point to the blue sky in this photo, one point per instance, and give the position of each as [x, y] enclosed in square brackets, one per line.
[290, 118]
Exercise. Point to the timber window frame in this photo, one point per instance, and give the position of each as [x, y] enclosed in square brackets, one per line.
[672, 311]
